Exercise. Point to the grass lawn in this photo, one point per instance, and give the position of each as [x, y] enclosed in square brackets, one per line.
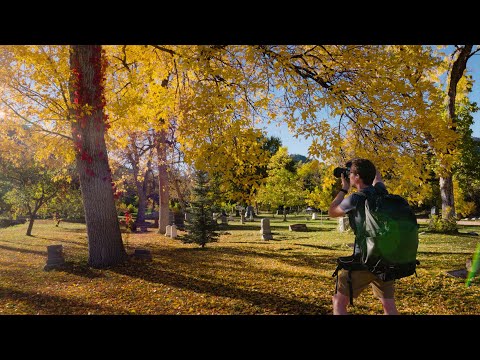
[239, 274]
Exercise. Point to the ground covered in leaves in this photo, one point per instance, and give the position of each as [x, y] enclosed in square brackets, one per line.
[239, 274]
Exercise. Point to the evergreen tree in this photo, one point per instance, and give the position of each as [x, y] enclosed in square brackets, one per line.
[201, 227]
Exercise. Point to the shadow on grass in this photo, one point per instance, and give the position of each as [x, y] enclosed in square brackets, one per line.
[79, 269]
[268, 301]
[36, 252]
[179, 255]
[263, 242]
[459, 234]
[77, 231]
[56, 240]
[243, 227]
[435, 253]
[52, 305]
[333, 248]
[308, 230]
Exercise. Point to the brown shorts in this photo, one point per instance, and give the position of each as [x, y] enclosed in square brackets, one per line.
[360, 280]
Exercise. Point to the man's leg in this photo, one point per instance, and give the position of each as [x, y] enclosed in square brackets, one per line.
[340, 303]
[360, 280]
[389, 307]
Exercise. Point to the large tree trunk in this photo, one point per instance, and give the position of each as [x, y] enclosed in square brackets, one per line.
[163, 188]
[105, 246]
[446, 182]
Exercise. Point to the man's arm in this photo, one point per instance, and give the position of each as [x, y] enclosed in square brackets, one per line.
[335, 210]
[378, 179]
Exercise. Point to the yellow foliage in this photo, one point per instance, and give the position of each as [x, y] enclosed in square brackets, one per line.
[462, 208]
[383, 102]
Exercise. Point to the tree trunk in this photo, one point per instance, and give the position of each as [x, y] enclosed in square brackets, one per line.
[142, 202]
[33, 213]
[105, 246]
[133, 156]
[163, 188]
[448, 201]
[30, 225]
[180, 195]
[456, 73]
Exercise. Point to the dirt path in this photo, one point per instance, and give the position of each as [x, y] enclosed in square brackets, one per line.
[460, 222]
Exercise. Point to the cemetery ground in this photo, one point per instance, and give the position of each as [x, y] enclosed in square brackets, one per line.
[241, 274]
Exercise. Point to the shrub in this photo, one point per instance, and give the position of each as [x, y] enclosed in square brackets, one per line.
[444, 226]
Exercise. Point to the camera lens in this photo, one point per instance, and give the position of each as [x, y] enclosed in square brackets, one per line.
[337, 172]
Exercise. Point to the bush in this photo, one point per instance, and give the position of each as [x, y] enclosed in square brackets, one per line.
[439, 225]
[8, 222]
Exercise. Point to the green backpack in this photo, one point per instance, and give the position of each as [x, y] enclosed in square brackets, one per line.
[390, 239]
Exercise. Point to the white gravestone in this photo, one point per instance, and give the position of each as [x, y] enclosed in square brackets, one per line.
[265, 230]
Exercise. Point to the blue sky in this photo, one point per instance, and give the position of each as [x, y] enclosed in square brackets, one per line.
[300, 145]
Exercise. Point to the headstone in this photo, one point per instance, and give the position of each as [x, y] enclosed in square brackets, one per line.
[343, 224]
[142, 254]
[249, 212]
[151, 216]
[173, 231]
[242, 218]
[187, 217]
[297, 227]
[469, 267]
[433, 210]
[168, 231]
[460, 273]
[314, 216]
[265, 229]
[55, 257]
[223, 219]
[464, 273]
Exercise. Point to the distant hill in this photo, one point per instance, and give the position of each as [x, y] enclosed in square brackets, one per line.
[297, 157]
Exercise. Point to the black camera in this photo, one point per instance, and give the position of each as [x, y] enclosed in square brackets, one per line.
[338, 171]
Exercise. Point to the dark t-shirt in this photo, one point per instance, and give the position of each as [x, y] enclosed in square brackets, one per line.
[354, 207]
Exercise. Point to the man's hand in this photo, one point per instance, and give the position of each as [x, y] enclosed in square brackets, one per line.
[345, 182]
[378, 178]
[335, 210]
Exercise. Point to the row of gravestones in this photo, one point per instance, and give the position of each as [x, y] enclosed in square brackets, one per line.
[55, 258]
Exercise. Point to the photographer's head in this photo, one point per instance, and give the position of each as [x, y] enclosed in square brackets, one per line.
[361, 169]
